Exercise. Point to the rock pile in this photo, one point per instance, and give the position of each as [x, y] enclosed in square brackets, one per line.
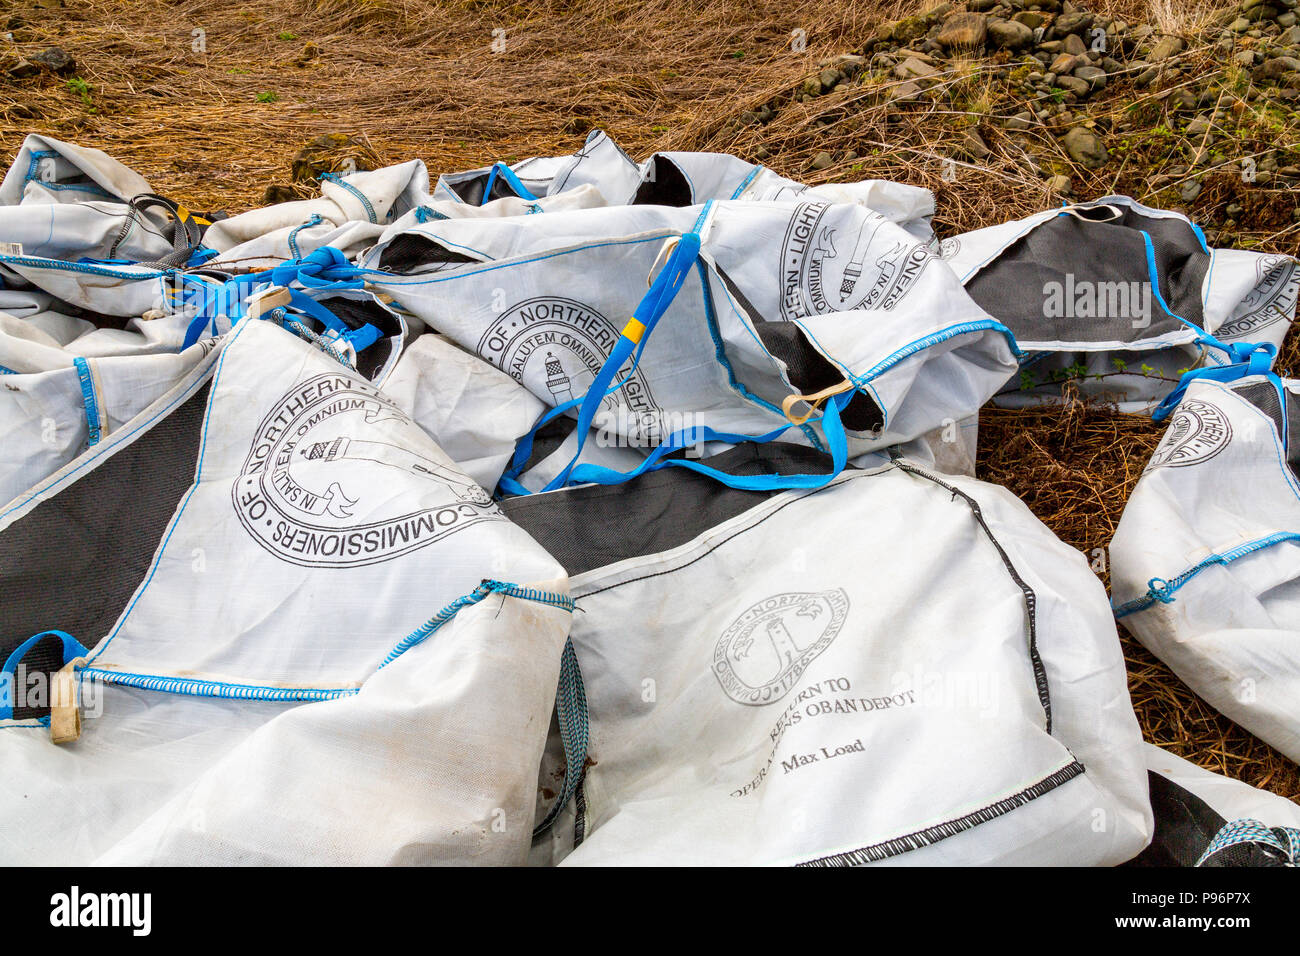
[1050, 68]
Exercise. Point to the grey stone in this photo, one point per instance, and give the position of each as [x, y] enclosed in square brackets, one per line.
[1072, 23]
[1072, 84]
[1190, 191]
[1166, 47]
[1075, 45]
[1060, 185]
[1066, 63]
[1085, 147]
[23, 69]
[965, 31]
[912, 68]
[1277, 67]
[57, 60]
[972, 145]
[1093, 76]
[1009, 35]
[822, 160]
[908, 92]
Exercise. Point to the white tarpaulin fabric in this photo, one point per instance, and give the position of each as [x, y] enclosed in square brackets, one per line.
[272, 552]
[671, 179]
[804, 678]
[371, 609]
[1205, 563]
[786, 299]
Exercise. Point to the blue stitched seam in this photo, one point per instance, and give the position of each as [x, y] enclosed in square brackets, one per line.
[1169, 587]
[432, 625]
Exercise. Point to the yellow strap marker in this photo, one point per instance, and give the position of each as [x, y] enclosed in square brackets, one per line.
[813, 400]
[634, 329]
[65, 712]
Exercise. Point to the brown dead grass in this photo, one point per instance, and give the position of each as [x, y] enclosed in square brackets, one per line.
[417, 78]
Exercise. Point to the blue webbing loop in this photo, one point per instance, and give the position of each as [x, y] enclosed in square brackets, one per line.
[72, 649]
[326, 269]
[631, 344]
[652, 306]
[511, 179]
[832, 427]
[1245, 358]
[199, 256]
[1248, 358]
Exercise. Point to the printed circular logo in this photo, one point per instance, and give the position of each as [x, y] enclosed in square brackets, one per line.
[949, 248]
[828, 263]
[557, 345]
[1197, 432]
[338, 476]
[1277, 286]
[766, 650]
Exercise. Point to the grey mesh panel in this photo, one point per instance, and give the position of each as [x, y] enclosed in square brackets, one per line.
[73, 562]
[1013, 287]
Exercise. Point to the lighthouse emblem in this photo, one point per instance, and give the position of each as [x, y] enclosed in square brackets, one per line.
[556, 381]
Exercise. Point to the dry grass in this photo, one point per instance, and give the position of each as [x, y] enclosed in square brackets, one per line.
[418, 78]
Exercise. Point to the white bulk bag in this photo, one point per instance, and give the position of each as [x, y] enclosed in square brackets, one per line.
[1205, 563]
[1124, 295]
[47, 170]
[894, 668]
[81, 227]
[1206, 819]
[313, 640]
[48, 418]
[476, 413]
[262, 238]
[785, 299]
[669, 179]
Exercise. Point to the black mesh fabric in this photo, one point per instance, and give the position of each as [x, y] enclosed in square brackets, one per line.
[470, 189]
[1264, 396]
[410, 251]
[1185, 825]
[808, 370]
[73, 561]
[666, 185]
[1284, 410]
[595, 525]
[355, 313]
[1013, 288]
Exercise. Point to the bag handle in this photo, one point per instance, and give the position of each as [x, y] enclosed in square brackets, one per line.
[813, 400]
[682, 254]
